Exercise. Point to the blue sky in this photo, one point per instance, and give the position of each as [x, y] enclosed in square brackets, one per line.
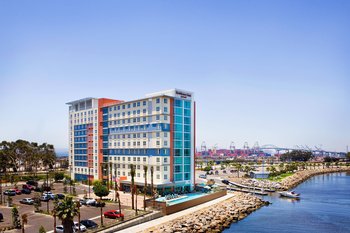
[276, 72]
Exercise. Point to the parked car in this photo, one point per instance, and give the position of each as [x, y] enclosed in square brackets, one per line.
[87, 201]
[18, 192]
[89, 224]
[98, 204]
[45, 198]
[50, 195]
[60, 229]
[27, 186]
[60, 196]
[79, 225]
[32, 183]
[10, 192]
[225, 182]
[113, 214]
[203, 176]
[27, 201]
[26, 191]
[1, 217]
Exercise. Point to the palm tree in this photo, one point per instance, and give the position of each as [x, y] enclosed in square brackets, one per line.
[24, 221]
[145, 168]
[132, 186]
[238, 167]
[281, 167]
[66, 212]
[152, 171]
[136, 192]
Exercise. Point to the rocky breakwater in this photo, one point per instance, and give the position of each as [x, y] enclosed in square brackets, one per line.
[301, 176]
[214, 218]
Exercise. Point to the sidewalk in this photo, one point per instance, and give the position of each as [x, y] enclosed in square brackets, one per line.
[167, 218]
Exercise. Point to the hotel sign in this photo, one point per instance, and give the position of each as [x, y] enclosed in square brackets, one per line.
[183, 95]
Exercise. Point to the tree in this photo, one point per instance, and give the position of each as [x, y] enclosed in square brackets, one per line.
[42, 229]
[152, 171]
[145, 168]
[136, 192]
[238, 167]
[37, 202]
[100, 190]
[348, 156]
[59, 176]
[296, 155]
[66, 212]
[132, 186]
[24, 221]
[16, 222]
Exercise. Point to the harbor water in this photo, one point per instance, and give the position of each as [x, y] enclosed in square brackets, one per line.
[324, 207]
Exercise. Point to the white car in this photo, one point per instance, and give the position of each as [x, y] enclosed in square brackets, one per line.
[90, 201]
[60, 229]
[82, 227]
[203, 176]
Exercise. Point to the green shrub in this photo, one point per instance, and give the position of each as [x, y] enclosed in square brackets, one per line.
[42, 229]
[16, 222]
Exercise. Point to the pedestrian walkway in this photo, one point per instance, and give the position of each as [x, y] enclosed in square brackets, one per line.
[168, 218]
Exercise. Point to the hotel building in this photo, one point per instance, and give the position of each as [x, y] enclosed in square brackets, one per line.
[106, 136]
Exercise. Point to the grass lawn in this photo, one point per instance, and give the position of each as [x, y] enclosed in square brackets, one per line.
[279, 178]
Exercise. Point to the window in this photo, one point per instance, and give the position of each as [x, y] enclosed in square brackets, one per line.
[165, 168]
[165, 177]
[165, 117]
[157, 118]
[157, 100]
[157, 109]
[165, 109]
[165, 101]
[157, 134]
[158, 143]
[158, 160]
[165, 134]
[165, 160]
[144, 143]
[144, 159]
[158, 177]
[165, 143]
[157, 168]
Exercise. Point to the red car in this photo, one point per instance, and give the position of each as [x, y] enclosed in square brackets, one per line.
[18, 192]
[113, 214]
[27, 186]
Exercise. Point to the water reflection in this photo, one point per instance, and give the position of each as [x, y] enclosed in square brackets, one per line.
[323, 207]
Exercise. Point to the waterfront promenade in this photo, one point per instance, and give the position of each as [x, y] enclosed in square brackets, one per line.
[165, 219]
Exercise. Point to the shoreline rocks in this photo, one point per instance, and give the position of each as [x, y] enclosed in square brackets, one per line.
[214, 218]
[301, 176]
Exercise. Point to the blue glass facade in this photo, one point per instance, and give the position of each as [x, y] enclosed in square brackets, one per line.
[80, 145]
[182, 140]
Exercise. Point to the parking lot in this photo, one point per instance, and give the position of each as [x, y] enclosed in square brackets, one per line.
[35, 220]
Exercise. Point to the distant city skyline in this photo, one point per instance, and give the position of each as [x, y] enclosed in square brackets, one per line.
[267, 71]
